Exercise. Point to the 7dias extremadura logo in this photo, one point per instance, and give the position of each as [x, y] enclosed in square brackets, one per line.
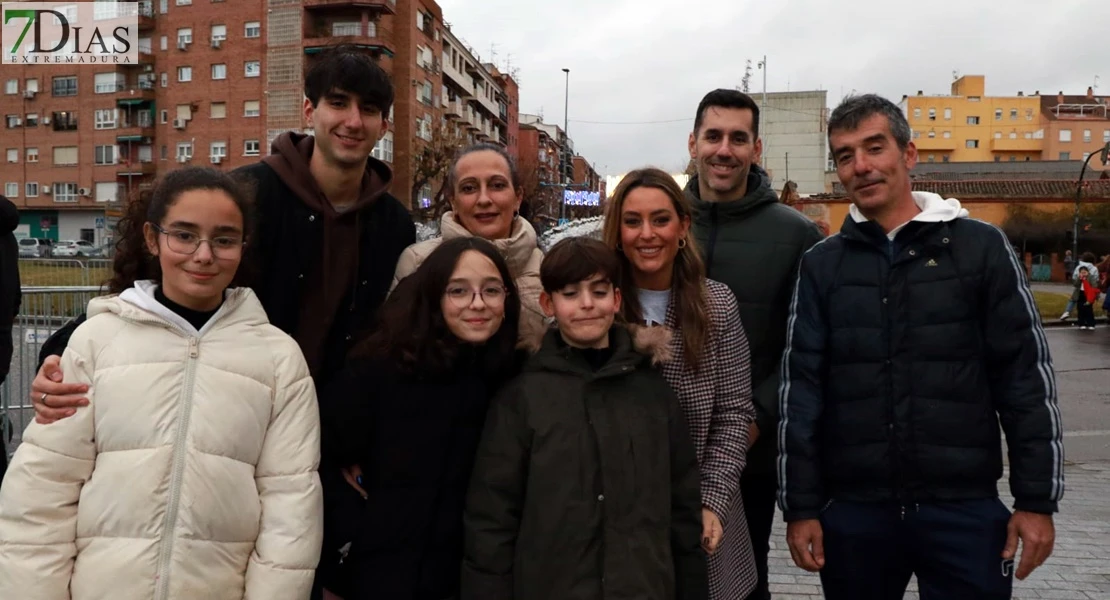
[47, 33]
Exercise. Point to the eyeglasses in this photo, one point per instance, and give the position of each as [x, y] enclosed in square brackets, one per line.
[187, 242]
[492, 295]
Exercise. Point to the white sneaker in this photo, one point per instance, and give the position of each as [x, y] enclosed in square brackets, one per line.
[1064, 317]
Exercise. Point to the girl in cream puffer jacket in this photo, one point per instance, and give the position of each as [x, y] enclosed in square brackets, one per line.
[192, 472]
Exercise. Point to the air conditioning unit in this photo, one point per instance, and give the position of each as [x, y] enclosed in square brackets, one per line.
[217, 160]
[29, 94]
[181, 45]
[49, 189]
[183, 159]
[86, 192]
[179, 123]
[46, 120]
[216, 43]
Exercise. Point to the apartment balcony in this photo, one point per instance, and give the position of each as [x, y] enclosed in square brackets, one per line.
[135, 134]
[453, 108]
[146, 15]
[1016, 145]
[137, 169]
[129, 95]
[936, 143]
[383, 6]
[371, 36]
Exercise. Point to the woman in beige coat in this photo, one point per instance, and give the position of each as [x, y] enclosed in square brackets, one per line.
[484, 189]
[192, 471]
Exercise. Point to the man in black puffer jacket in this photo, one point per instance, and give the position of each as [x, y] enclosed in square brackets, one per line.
[912, 334]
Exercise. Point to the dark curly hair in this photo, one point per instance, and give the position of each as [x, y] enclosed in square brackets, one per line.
[133, 261]
[412, 334]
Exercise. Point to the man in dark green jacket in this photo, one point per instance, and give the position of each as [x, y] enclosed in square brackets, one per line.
[751, 243]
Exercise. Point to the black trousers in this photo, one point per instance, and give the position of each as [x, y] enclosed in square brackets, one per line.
[954, 548]
[759, 493]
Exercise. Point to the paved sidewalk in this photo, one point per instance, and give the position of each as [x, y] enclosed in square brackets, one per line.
[1079, 568]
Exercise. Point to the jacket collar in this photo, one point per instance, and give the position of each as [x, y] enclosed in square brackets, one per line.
[517, 249]
[137, 303]
[758, 195]
[632, 345]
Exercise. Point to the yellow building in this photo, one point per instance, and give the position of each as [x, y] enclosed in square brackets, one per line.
[970, 126]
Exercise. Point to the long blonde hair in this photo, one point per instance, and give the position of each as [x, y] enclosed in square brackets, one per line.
[688, 290]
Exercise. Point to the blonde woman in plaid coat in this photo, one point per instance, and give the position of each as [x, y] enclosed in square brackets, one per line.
[664, 283]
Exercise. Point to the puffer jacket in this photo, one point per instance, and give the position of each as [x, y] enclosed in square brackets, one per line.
[904, 358]
[753, 244]
[191, 474]
[520, 250]
[585, 483]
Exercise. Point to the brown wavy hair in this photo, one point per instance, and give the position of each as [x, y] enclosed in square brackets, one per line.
[688, 290]
[413, 336]
[133, 261]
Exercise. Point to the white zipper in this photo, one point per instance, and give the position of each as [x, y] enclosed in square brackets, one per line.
[185, 412]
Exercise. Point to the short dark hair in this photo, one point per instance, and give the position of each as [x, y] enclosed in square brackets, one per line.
[1088, 257]
[348, 69]
[577, 259]
[853, 110]
[412, 333]
[725, 98]
[452, 171]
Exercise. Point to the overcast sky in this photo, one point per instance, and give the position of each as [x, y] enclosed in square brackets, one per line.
[649, 61]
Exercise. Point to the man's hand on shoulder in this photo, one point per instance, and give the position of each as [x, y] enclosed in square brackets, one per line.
[52, 399]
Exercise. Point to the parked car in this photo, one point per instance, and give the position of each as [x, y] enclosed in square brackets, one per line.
[76, 248]
[36, 248]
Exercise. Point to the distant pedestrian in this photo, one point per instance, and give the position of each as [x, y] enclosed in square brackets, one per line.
[1069, 264]
[1087, 296]
[1086, 261]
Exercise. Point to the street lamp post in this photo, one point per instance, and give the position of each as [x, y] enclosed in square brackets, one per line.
[566, 145]
[1104, 154]
[763, 107]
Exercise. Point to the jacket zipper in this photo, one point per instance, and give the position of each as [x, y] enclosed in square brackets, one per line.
[712, 239]
[170, 522]
[897, 454]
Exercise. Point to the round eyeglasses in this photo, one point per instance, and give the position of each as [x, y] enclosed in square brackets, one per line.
[187, 242]
[461, 296]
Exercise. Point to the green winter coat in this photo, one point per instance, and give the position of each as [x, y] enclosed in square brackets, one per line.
[585, 485]
[753, 245]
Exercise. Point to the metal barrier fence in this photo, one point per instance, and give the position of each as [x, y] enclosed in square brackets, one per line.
[44, 311]
[38, 272]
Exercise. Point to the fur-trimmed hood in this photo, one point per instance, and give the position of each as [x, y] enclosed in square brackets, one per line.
[652, 342]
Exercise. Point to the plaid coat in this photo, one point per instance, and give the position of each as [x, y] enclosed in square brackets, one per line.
[717, 403]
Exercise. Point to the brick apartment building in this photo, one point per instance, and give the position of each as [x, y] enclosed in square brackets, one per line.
[215, 83]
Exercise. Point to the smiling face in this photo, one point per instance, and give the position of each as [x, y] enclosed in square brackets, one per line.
[346, 128]
[724, 149]
[650, 232]
[483, 198]
[584, 311]
[473, 304]
[871, 166]
[197, 279]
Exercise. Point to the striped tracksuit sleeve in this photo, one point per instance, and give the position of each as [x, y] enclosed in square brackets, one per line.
[801, 398]
[1023, 383]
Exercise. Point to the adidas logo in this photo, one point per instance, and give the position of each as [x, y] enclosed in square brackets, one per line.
[931, 263]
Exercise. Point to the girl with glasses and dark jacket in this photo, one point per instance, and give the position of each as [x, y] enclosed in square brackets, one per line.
[404, 419]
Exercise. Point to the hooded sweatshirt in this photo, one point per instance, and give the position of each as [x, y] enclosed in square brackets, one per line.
[335, 276]
[934, 209]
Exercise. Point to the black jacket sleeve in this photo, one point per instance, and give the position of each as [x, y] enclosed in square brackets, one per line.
[56, 344]
[690, 566]
[1023, 383]
[801, 397]
[495, 500]
[346, 412]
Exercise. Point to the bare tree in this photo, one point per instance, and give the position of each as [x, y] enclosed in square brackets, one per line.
[430, 164]
[745, 83]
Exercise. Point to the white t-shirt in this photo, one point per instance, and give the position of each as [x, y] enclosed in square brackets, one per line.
[654, 304]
